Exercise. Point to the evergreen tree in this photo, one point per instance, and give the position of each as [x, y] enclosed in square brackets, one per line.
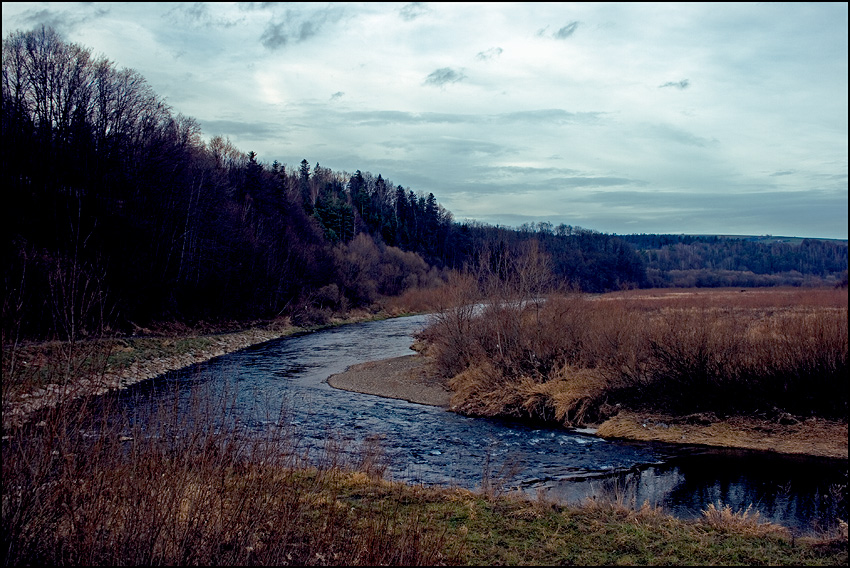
[304, 186]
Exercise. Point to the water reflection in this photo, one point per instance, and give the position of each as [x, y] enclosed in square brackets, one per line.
[803, 493]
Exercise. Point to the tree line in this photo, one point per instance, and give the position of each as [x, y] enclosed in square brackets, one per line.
[710, 261]
[117, 210]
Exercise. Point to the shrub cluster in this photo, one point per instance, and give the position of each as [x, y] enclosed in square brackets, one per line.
[574, 358]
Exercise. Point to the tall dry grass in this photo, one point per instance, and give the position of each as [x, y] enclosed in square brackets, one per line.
[745, 521]
[86, 485]
[573, 358]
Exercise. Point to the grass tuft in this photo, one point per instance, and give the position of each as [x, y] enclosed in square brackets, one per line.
[744, 521]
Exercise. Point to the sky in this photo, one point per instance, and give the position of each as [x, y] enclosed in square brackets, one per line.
[623, 118]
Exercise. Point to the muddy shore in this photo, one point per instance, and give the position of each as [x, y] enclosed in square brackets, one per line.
[408, 378]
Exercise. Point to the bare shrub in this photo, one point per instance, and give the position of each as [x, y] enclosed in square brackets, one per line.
[425, 293]
[696, 353]
[400, 270]
[449, 331]
[357, 263]
[679, 352]
[802, 358]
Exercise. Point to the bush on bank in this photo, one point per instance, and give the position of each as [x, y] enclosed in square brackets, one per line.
[575, 359]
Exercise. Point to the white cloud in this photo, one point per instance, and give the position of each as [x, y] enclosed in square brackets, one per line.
[444, 76]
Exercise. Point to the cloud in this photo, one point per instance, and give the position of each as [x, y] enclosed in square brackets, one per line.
[413, 10]
[750, 213]
[444, 76]
[382, 117]
[200, 14]
[552, 115]
[337, 95]
[566, 31]
[491, 53]
[307, 30]
[590, 181]
[61, 21]
[297, 27]
[683, 84]
[274, 36]
[544, 116]
[453, 146]
[279, 35]
[680, 136]
[259, 130]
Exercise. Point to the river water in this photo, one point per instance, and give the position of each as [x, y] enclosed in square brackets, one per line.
[282, 383]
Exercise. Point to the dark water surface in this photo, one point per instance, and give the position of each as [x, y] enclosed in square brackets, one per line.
[428, 445]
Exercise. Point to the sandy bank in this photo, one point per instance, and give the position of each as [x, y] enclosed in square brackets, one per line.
[813, 436]
[408, 378]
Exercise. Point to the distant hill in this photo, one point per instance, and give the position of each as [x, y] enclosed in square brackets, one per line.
[769, 239]
[740, 260]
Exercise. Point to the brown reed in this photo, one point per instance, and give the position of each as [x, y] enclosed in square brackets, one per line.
[572, 357]
[82, 485]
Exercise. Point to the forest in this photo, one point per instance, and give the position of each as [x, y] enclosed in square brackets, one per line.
[120, 213]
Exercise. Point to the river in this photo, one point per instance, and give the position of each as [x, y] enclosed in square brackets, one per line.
[282, 383]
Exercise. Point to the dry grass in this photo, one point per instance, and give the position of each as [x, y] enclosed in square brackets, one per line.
[481, 391]
[812, 436]
[745, 521]
[573, 358]
[84, 486]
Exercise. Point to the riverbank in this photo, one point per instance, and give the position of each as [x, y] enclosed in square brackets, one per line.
[408, 378]
[44, 375]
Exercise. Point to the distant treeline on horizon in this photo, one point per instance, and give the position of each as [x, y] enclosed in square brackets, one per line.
[119, 214]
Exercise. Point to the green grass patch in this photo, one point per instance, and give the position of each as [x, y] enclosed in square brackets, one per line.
[124, 352]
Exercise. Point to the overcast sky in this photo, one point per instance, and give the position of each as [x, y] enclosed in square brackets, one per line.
[623, 118]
